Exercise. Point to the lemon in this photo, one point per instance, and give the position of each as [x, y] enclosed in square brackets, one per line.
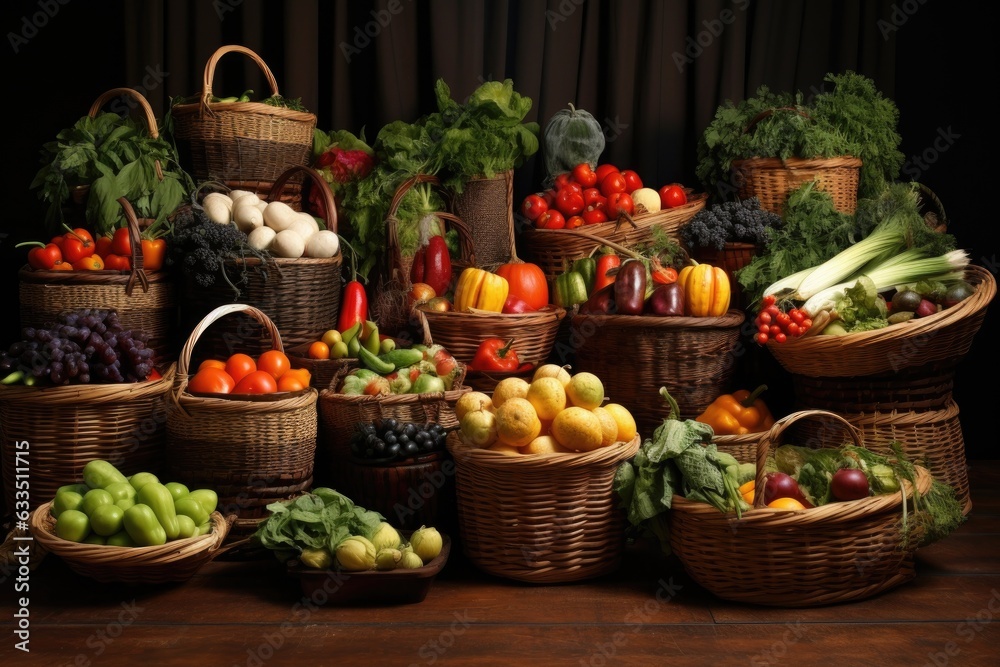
[473, 400]
[624, 419]
[479, 427]
[504, 448]
[609, 427]
[543, 444]
[585, 390]
[578, 429]
[552, 370]
[548, 397]
[512, 387]
[517, 422]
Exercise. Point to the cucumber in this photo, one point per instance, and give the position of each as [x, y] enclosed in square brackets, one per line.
[402, 358]
[374, 363]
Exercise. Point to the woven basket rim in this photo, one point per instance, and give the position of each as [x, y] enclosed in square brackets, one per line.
[475, 316]
[258, 108]
[734, 317]
[76, 394]
[833, 162]
[618, 451]
[102, 277]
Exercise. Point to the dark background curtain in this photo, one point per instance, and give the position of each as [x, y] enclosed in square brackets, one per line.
[652, 72]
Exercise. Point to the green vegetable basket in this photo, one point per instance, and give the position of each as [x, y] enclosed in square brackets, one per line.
[837, 552]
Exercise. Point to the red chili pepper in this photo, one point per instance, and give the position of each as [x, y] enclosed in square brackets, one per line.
[495, 354]
[604, 263]
[432, 265]
[353, 306]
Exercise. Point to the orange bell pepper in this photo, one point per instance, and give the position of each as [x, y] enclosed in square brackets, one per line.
[738, 413]
[154, 251]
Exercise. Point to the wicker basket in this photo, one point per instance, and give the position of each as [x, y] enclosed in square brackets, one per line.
[487, 206]
[321, 370]
[942, 338]
[68, 426]
[145, 300]
[634, 355]
[919, 388]
[394, 315]
[556, 249]
[533, 333]
[300, 296]
[241, 144]
[839, 552]
[251, 452]
[541, 518]
[732, 258]
[175, 561]
[931, 438]
[339, 414]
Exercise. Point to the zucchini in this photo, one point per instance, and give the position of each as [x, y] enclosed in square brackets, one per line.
[402, 358]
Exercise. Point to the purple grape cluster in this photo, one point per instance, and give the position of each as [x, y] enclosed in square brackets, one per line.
[81, 346]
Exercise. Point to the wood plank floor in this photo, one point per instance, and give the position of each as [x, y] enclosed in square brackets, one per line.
[246, 612]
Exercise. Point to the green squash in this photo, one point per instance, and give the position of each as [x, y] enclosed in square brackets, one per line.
[572, 136]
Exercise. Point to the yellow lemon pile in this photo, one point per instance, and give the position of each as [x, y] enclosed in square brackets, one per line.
[556, 412]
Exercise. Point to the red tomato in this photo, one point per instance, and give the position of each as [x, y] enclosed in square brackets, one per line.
[289, 382]
[562, 180]
[116, 262]
[569, 202]
[213, 363]
[274, 362]
[632, 181]
[603, 170]
[549, 196]
[585, 175]
[672, 196]
[593, 215]
[533, 206]
[102, 247]
[211, 380]
[256, 382]
[551, 219]
[574, 221]
[572, 186]
[121, 244]
[239, 366]
[613, 182]
[620, 202]
[592, 196]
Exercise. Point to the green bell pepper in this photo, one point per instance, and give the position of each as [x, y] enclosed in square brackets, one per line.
[158, 498]
[587, 267]
[570, 289]
[142, 526]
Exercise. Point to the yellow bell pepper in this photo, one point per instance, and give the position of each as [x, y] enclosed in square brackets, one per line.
[738, 413]
[477, 288]
[706, 290]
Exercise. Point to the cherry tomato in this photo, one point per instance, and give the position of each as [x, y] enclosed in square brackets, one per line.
[533, 206]
[621, 203]
[632, 180]
[551, 219]
[769, 300]
[672, 196]
[764, 329]
[274, 362]
[585, 175]
[773, 310]
[613, 182]
[793, 329]
[549, 196]
[594, 216]
[780, 337]
[783, 320]
[764, 317]
[574, 221]
[775, 330]
[211, 380]
[603, 170]
[572, 186]
[562, 180]
[761, 338]
[806, 325]
[569, 202]
[591, 196]
[256, 382]
[318, 350]
[240, 365]
[796, 315]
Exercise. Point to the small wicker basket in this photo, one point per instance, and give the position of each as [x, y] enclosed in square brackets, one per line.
[251, 452]
[487, 206]
[541, 519]
[838, 552]
[67, 426]
[556, 249]
[246, 145]
[175, 561]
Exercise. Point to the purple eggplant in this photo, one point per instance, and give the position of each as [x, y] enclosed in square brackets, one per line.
[666, 300]
[601, 302]
[630, 288]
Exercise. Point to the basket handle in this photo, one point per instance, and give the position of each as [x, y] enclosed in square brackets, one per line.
[147, 112]
[138, 273]
[329, 204]
[184, 360]
[466, 246]
[206, 90]
[773, 436]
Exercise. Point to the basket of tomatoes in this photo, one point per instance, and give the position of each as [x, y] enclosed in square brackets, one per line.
[245, 426]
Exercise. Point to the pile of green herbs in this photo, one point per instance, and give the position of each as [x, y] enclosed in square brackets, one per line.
[319, 519]
[116, 157]
[482, 137]
[853, 118]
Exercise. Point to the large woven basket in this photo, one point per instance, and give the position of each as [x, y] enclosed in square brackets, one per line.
[556, 249]
[68, 426]
[300, 296]
[942, 338]
[175, 561]
[246, 145]
[932, 438]
[145, 300]
[918, 388]
[771, 180]
[838, 552]
[487, 206]
[538, 518]
[533, 333]
[635, 355]
[250, 452]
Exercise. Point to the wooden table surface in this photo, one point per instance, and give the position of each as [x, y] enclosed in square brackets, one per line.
[247, 612]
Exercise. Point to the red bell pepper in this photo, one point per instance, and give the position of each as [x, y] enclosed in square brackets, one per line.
[44, 256]
[604, 263]
[495, 354]
[154, 251]
[121, 244]
[432, 265]
[353, 306]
